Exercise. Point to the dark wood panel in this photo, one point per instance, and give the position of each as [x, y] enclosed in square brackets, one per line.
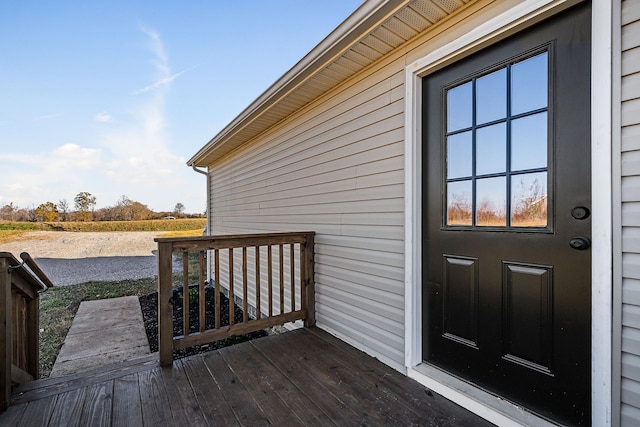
[460, 299]
[527, 316]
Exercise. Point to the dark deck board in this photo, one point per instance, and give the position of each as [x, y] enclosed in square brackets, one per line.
[341, 388]
[97, 406]
[349, 380]
[315, 390]
[412, 399]
[215, 408]
[13, 415]
[306, 377]
[53, 386]
[68, 408]
[127, 408]
[246, 411]
[276, 395]
[182, 399]
[153, 398]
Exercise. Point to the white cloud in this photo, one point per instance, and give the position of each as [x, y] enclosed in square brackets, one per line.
[103, 117]
[157, 48]
[161, 82]
[73, 155]
[34, 178]
[66, 157]
[47, 117]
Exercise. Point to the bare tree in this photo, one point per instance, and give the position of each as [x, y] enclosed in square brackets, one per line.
[178, 209]
[8, 212]
[63, 209]
[31, 213]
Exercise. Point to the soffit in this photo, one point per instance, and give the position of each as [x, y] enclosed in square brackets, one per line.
[376, 28]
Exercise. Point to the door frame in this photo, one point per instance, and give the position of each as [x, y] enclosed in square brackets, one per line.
[521, 15]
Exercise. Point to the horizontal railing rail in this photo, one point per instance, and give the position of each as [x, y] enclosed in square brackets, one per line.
[19, 317]
[270, 275]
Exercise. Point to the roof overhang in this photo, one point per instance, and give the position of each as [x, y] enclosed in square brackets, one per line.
[376, 28]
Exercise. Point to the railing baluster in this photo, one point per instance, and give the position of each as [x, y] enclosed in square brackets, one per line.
[292, 266]
[303, 276]
[216, 279]
[281, 265]
[245, 287]
[270, 278]
[258, 315]
[185, 293]
[232, 299]
[201, 293]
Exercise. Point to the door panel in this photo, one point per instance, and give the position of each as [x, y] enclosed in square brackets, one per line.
[506, 284]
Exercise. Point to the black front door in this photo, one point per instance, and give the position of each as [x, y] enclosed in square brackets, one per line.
[506, 214]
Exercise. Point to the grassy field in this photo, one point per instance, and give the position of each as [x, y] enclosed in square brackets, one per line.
[175, 227]
[79, 226]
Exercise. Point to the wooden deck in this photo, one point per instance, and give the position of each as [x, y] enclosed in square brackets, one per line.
[305, 377]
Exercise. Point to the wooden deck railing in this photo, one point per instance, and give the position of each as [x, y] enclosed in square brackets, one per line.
[19, 322]
[271, 275]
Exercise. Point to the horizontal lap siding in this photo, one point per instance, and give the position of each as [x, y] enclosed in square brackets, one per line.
[630, 166]
[337, 170]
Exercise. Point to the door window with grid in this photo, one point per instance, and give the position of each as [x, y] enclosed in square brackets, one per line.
[497, 147]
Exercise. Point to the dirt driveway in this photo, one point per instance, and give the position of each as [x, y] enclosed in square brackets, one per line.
[69, 258]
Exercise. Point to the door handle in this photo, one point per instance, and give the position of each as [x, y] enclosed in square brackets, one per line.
[580, 243]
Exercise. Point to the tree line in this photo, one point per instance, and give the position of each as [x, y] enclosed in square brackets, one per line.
[83, 209]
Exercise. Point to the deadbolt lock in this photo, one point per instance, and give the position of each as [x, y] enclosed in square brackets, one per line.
[580, 243]
[580, 212]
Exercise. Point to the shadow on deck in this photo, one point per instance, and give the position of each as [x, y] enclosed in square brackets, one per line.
[304, 377]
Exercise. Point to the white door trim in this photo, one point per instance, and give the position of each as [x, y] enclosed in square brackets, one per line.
[523, 14]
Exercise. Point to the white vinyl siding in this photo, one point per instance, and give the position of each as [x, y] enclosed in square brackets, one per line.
[336, 169]
[630, 168]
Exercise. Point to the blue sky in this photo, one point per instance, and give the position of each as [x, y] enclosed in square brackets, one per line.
[113, 97]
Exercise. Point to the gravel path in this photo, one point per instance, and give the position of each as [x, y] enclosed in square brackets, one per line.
[70, 258]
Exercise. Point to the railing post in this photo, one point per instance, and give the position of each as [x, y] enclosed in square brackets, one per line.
[165, 308]
[6, 328]
[307, 271]
[33, 337]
